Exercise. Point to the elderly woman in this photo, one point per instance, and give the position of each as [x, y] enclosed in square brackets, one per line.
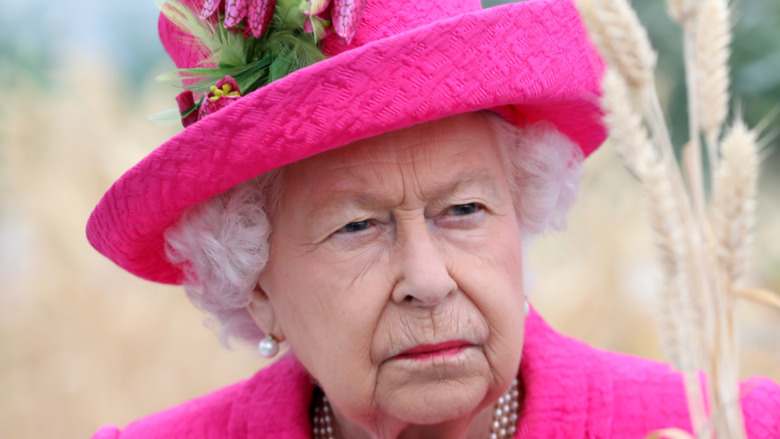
[370, 212]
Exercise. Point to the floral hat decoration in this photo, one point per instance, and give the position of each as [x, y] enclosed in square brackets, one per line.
[248, 44]
[272, 82]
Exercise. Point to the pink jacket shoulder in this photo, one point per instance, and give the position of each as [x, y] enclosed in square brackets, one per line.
[272, 404]
[199, 418]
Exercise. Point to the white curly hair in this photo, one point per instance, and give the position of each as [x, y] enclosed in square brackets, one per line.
[222, 244]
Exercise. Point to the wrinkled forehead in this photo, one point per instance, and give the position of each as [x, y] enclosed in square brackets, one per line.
[454, 142]
[442, 155]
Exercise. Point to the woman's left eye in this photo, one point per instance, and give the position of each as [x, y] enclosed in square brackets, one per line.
[354, 227]
[464, 209]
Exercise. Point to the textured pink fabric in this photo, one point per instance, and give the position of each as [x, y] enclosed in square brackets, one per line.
[572, 391]
[529, 61]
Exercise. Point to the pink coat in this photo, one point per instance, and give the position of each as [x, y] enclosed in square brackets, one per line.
[571, 391]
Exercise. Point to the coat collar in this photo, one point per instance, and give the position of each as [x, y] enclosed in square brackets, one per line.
[274, 404]
[564, 393]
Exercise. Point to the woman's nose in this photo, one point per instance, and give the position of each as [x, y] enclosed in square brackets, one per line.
[423, 277]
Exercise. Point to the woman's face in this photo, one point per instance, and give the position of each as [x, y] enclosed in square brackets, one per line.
[395, 274]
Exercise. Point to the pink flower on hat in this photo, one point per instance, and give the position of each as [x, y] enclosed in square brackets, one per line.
[187, 108]
[257, 13]
[224, 93]
[343, 15]
[220, 96]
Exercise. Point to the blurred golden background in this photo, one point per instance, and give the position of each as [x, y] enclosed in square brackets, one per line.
[82, 343]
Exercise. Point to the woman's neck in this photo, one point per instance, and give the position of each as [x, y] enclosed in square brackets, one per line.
[481, 425]
[476, 427]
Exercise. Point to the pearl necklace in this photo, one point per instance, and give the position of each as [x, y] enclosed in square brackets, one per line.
[322, 419]
[504, 423]
[503, 426]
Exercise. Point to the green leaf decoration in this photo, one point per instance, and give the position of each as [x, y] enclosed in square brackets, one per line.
[170, 117]
[253, 62]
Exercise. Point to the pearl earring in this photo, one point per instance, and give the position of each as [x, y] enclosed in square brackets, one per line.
[527, 306]
[268, 346]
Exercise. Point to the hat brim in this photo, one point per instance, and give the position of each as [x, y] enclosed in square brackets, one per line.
[530, 61]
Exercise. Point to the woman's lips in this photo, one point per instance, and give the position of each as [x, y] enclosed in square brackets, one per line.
[428, 351]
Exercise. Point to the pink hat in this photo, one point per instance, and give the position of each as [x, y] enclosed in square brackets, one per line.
[408, 62]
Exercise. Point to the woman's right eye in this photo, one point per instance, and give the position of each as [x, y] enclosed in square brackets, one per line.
[357, 226]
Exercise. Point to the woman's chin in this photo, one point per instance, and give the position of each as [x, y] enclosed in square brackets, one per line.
[432, 392]
[432, 406]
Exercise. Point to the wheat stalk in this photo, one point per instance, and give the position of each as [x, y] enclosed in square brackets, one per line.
[713, 38]
[734, 203]
[682, 337]
[698, 300]
[622, 39]
[760, 296]
[630, 137]
[733, 217]
[706, 57]
[638, 154]
[682, 11]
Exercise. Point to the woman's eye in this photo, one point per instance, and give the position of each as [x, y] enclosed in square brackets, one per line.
[464, 209]
[357, 226]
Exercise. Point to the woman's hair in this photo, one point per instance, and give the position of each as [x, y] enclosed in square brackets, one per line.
[222, 243]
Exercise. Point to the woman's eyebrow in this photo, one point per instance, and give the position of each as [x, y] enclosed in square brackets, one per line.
[483, 178]
[339, 199]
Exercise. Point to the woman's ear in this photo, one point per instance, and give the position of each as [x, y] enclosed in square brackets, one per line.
[262, 311]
